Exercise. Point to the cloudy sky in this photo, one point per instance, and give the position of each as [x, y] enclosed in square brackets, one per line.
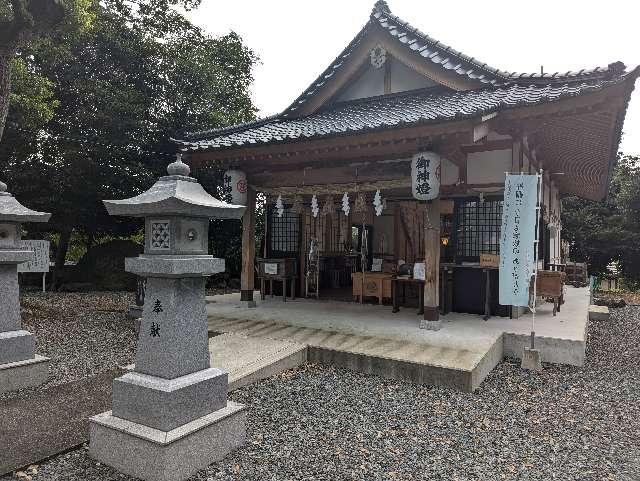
[298, 39]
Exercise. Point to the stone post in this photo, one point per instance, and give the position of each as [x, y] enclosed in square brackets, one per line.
[170, 415]
[20, 367]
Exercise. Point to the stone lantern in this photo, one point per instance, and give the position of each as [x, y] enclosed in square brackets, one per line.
[170, 415]
[20, 367]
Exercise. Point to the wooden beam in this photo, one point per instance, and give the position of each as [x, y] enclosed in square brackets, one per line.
[331, 188]
[247, 283]
[432, 266]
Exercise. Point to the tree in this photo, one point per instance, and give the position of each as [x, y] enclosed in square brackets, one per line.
[21, 21]
[120, 91]
[606, 232]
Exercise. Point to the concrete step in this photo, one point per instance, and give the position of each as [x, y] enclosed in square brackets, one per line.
[420, 363]
[249, 359]
[598, 313]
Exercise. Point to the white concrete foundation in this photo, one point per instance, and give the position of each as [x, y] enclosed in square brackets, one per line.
[23, 374]
[154, 455]
[599, 313]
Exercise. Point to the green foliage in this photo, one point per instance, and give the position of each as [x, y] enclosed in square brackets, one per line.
[32, 98]
[606, 232]
[121, 89]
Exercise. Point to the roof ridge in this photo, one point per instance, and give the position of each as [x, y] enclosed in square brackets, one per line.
[614, 68]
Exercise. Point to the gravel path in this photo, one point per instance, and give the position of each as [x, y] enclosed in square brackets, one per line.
[84, 334]
[320, 423]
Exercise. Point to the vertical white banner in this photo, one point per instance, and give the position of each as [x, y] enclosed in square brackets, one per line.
[517, 238]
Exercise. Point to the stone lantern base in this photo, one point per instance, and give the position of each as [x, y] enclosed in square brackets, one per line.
[23, 374]
[155, 455]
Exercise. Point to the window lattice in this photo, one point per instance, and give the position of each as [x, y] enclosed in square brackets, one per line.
[284, 232]
[160, 235]
[478, 227]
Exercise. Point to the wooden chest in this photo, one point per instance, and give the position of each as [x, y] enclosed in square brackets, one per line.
[550, 283]
[375, 284]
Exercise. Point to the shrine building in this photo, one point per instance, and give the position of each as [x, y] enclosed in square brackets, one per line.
[335, 171]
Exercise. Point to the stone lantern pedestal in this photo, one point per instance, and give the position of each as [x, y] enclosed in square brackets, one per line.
[20, 367]
[170, 416]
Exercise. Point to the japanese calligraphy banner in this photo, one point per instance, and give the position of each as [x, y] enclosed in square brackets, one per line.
[425, 176]
[517, 238]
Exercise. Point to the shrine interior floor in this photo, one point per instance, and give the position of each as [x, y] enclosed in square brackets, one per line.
[367, 334]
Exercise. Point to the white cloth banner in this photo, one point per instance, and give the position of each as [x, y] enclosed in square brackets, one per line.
[517, 238]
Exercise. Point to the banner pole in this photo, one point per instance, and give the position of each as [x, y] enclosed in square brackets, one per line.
[535, 261]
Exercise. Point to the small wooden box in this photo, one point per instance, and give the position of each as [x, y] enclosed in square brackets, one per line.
[549, 283]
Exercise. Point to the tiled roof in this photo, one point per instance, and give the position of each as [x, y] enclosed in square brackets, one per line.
[389, 111]
[447, 58]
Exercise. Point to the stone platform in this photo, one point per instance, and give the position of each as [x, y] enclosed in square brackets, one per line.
[249, 359]
[372, 339]
[421, 363]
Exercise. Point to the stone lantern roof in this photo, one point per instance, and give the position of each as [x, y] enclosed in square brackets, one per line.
[13, 211]
[176, 194]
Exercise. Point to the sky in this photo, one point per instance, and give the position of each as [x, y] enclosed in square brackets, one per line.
[297, 39]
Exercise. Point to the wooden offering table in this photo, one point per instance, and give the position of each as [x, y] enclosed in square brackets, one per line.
[284, 270]
[374, 284]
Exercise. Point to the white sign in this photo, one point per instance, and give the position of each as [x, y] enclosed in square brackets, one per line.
[235, 187]
[41, 262]
[425, 176]
[271, 269]
[418, 271]
[376, 265]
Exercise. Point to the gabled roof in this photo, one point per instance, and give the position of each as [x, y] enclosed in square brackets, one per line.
[431, 51]
[390, 111]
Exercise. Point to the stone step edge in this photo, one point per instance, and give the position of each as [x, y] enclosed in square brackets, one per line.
[480, 355]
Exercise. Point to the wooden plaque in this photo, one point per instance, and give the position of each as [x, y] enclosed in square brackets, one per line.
[489, 260]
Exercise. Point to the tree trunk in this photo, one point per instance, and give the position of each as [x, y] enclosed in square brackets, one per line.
[61, 255]
[6, 56]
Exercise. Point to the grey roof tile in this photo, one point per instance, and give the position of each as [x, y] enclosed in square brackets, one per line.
[390, 111]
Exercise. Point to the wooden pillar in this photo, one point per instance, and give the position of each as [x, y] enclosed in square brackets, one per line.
[247, 282]
[432, 266]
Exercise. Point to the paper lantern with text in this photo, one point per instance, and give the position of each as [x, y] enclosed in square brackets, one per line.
[425, 175]
[235, 187]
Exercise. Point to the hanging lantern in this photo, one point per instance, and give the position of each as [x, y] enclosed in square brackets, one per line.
[346, 208]
[315, 208]
[235, 187]
[425, 176]
[279, 206]
[329, 208]
[298, 206]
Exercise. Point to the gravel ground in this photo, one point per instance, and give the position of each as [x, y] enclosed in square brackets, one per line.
[83, 333]
[321, 423]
